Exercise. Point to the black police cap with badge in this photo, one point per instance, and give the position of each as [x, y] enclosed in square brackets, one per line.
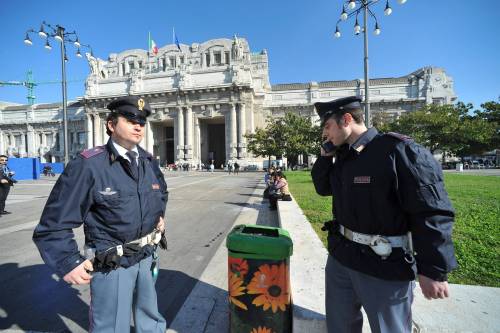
[133, 108]
[340, 106]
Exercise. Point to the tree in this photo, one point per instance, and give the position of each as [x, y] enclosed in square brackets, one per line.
[449, 128]
[290, 136]
[491, 113]
[266, 142]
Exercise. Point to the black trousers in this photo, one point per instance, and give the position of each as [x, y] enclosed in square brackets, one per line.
[273, 199]
[4, 192]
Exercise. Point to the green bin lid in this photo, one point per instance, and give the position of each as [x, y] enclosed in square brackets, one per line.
[259, 242]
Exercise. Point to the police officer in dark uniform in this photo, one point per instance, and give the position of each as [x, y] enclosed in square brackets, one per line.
[392, 222]
[118, 193]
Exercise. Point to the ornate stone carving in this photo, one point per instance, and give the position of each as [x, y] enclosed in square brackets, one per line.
[237, 49]
[97, 66]
[136, 83]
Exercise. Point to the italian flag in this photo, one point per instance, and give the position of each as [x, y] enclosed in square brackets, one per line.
[152, 45]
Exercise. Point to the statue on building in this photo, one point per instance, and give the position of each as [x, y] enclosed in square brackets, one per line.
[136, 83]
[97, 66]
[237, 49]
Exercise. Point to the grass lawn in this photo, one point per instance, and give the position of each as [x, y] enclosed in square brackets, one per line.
[476, 234]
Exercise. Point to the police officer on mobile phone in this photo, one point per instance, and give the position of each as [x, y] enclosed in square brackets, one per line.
[392, 222]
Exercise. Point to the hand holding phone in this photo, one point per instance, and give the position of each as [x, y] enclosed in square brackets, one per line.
[327, 148]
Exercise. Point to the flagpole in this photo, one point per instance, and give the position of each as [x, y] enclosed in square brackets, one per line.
[173, 35]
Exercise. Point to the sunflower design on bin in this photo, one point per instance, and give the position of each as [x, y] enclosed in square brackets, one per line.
[238, 266]
[261, 330]
[271, 284]
[236, 288]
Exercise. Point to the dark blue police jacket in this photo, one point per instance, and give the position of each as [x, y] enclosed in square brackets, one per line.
[98, 189]
[386, 184]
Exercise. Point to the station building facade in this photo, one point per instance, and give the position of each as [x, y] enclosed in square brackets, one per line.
[204, 97]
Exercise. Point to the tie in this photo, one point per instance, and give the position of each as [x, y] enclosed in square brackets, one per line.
[133, 163]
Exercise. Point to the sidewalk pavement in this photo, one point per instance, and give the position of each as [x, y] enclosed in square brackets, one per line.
[468, 309]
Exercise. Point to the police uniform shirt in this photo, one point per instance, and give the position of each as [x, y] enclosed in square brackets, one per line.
[386, 184]
[123, 151]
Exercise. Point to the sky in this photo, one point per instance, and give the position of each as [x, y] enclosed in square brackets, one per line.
[461, 36]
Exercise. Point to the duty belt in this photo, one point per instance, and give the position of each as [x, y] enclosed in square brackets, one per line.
[110, 258]
[381, 245]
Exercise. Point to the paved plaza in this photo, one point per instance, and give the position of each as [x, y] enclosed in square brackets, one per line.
[202, 208]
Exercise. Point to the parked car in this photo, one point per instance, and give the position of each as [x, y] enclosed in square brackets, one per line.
[250, 167]
[476, 165]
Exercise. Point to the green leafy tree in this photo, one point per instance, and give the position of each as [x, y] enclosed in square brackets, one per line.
[449, 128]
[491, 113]
[290, 136]
[266, 142]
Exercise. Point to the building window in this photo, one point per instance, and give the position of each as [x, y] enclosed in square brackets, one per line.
[40, 136]
[81, 138]
[227, 57]
[437, 101]
[131, 65]
[181, 60]
[139, 63]
[164, 64]
[58, 142]
[172, 62]
[123, 68]
[207, 62]
[217, 58]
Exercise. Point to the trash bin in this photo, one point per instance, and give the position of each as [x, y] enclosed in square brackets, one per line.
[460, 167]
[259, 279]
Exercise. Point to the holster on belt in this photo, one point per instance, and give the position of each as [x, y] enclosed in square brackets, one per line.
[163, 241]
[330, 226]
[110, 259]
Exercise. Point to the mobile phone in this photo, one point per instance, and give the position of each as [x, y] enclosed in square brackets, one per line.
[328, 146]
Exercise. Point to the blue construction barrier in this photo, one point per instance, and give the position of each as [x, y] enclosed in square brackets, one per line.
[25, 168]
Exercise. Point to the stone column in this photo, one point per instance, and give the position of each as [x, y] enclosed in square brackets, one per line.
[252, 121]
[44, 140]
[60, 133]
[242, 130]
[54, 141]
[97, 130]
[22, 149]
[89, 133]
[149, 137]
[180, 134]
[189, 132]
[2, 144]
[103, 136]
[31, 144]
[233, 132]
[197, 140]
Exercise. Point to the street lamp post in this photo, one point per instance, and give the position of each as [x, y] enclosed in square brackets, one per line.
[349, 10]
[48, 31]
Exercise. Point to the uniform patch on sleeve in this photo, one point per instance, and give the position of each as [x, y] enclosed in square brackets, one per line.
[156, 186]
[362, 180]
[92, 152]
[400, 136]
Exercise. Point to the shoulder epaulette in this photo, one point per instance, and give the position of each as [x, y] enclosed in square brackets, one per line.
[399, 136]
[88, 153]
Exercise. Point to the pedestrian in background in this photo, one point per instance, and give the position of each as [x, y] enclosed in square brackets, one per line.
[236, 168]
[6, 181]
[392, 222]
